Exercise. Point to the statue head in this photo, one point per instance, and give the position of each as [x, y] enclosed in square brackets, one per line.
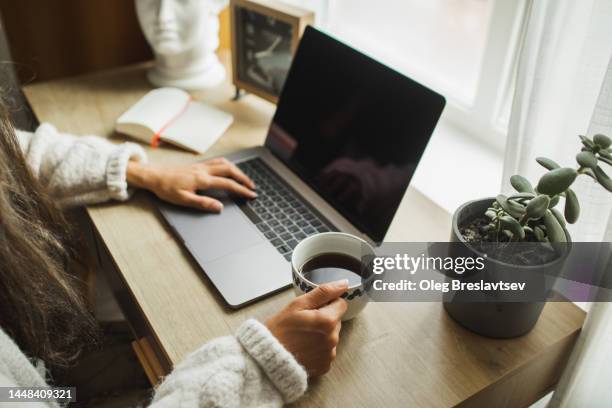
[183, 35]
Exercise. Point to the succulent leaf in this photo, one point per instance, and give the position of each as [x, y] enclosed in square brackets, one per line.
[572, 206]
[602, 141]
[554, 230]
[587, 142]
[491, 214]
[554, 201]
[603, 178]
[521, 184]
[547, 163]
[606, 154]
[512, 208]
[558, 216]
[521, 195]
[556, 181]
[587, 159]
[511, 224]
[537, 207]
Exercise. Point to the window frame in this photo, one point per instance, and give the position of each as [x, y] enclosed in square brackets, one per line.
[486, 118]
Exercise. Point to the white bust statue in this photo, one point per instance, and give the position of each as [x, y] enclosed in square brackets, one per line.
[184, 35]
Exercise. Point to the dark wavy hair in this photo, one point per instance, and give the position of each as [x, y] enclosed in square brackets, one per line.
[41, 307]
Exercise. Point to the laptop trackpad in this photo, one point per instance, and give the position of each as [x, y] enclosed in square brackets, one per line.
[213, 236]
[249, 274]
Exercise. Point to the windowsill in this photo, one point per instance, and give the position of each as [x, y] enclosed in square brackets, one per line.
[457, 168]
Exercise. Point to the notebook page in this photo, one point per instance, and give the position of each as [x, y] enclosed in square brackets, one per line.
[198, 127]
[156, 108]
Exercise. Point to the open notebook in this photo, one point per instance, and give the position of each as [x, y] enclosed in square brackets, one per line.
[170, 115]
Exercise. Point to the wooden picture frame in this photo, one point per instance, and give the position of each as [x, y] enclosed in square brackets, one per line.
[296, 17]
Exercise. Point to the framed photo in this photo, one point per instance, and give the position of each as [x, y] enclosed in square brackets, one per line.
[265, 35]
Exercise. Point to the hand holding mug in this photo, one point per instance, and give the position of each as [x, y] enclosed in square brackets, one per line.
[309, 326]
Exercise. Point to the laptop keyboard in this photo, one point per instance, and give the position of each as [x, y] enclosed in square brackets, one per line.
[278, 212]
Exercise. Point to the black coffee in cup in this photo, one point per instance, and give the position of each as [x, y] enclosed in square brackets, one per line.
[331, 267]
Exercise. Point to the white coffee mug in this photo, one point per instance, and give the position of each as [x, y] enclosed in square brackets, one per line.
[334, 243]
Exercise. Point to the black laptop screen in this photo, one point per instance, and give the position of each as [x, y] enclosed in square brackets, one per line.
[353, 129]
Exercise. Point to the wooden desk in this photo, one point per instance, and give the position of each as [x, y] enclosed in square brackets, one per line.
[408, 354]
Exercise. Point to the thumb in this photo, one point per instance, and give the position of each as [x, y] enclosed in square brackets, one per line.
[322, 295]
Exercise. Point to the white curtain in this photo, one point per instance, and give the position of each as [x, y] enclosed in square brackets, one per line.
[587, 378]
[563, 62]
[563, 89]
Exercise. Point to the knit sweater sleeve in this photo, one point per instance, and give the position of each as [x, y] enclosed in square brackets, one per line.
[251, 369]
[78, 170]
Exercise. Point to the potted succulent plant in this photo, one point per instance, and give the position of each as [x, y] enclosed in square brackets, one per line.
[528, 216]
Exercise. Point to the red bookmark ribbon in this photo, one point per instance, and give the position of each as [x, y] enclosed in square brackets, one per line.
[156, 137]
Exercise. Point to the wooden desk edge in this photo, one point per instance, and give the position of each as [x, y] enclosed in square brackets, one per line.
[515, 393]
[135, 316]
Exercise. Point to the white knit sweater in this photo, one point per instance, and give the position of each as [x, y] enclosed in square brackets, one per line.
[250, 369]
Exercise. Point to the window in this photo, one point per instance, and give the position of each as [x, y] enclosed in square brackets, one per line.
[439, 41]
[464, 49]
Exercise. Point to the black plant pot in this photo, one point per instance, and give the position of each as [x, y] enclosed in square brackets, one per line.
[498, 319]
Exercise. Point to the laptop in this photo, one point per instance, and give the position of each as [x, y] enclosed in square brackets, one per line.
[344, 142]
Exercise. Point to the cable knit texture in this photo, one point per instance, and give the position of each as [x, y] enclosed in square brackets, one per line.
[78, 170]
[280, 366]
[250, 370]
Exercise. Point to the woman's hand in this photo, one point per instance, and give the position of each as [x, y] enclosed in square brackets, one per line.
[178, 185]
[309, 326]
